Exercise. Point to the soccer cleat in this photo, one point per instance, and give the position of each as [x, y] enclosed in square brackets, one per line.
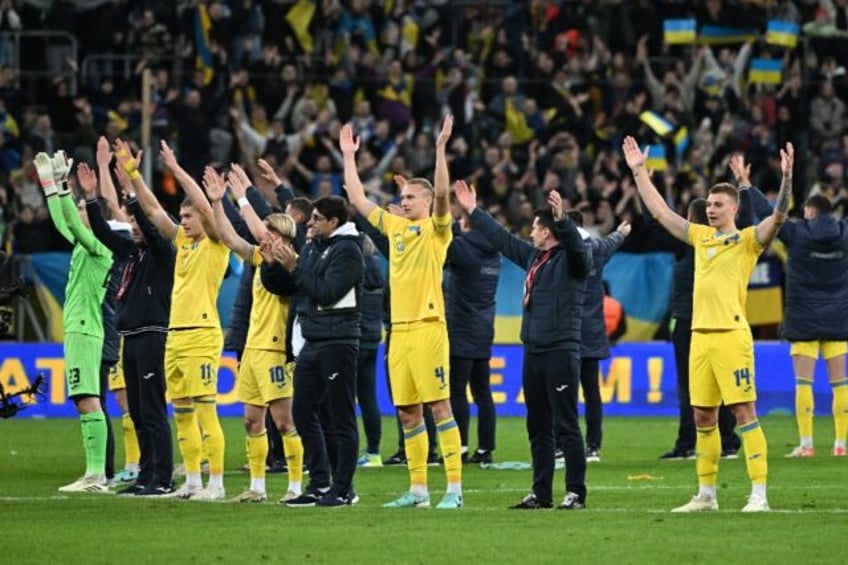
[530, 502]
[307, 499]
[185, 492]
[370, 460]
[756, 503]
[399, 458]
[96, 484]
[593, 456]
[838, 451]
[157, 490]
[333, 500]
[290, 495]
[450, 501]
[572, 501]
[210, 494]
[678, 454]
[131, 490]
[250, 496]
[802, 451]
[699, 503]
[482, 456]
[409, 500]
[126, 476]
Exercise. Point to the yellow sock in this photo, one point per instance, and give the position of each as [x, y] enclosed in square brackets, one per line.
[804, 405]
[294, 456]
[132, 453]
[417, 445]
[840, 409]
[257, 452]
[188, 437]
[213, 435]
[708, 453]
[756, 451]
[451, 446]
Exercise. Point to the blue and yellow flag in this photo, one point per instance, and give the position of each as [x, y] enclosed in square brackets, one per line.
[299, 18]
[681, 141]
[679, 32]
[720, 35]
[784, 34]
[205, 61]
[765, 71]
[656, 158]
[660, 125]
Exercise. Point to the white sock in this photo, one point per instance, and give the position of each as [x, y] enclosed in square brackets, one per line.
[465, 449]
[419, 490]
[758, 489]
[295, 487]
[707, 491]
[806, 442]
[839, 443]
[455, 488]
[193, 479]
[256, 485]
[216, 481]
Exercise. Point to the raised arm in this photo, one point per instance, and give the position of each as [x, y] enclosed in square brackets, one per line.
[239, 183]
[83, 236]
[216, 190]
[146, 199]
[107, 187]
[768, 228]
[193, 191]
[667, 218]
[352, 185]
[569, 237]
[44, 167]
[120, 246]
[441, 179]
[158, 243]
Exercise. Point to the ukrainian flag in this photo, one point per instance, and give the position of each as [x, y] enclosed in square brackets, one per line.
[765, 71]
[299, 18]
[656, 158]
[784, 34]
[720, 35]
[681, 141]
[660, 125]
[679, 32]
[205, 61]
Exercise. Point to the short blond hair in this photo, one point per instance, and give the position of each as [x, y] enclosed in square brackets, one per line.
[283, 224]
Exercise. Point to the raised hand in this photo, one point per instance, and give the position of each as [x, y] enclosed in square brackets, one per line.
[123, 180]
[445, 134]
[237, 184]
[624, 228]
[348, 143]
[238, 171]
[394, 210]
[633, 156]
[44, 168]
[104, 152]
[741, 171]
[87, 181]
[787, 159]
[465, 195]
[285, 254]
[168, 156]
[268, 173]
[125, 158]
[555, 202]
[213, 184]
[61, 167]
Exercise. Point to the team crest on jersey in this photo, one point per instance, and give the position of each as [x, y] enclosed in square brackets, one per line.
[400, 247]
[415, 229]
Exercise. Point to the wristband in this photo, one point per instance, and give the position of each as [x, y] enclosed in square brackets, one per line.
[62, 188]
[49, 187]
[131, 196]
[243, 201]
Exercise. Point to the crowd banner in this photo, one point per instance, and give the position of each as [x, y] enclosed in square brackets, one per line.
[638, 380]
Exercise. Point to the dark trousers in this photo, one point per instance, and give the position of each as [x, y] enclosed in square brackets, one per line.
[474, 372]
[144, 373]
[681, 338]
[429, 421]
[594, 408]
[366, 394]
[326, 374]
[105, 368]
[550, 381]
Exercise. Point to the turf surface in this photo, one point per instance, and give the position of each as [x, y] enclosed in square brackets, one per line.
[630, 493]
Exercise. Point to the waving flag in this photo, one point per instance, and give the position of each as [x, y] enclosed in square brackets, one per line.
[205, 61]
[720, 35]
[656, 158]
[765, 71]
[660, 125]
[784, 34]
[679, 32]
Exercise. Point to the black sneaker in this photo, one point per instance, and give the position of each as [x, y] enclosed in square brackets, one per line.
[572, 501]
[530, 502]
[277, 467]
[333, 500]
[481, 456]
[433, 460]
[398, 458]
[730, 453]
[308, 499]
[156, 490]
[559, 454]
[593, 455]
[130, 490]
[678, 454]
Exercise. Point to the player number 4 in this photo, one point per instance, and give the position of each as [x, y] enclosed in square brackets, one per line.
[440, 374]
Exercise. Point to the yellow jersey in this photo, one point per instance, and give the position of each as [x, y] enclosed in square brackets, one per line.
[198, 273]
[417, 252]
[268, 314]
[723, 267]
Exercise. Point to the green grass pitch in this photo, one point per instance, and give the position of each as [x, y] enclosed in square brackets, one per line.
[627, 521]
